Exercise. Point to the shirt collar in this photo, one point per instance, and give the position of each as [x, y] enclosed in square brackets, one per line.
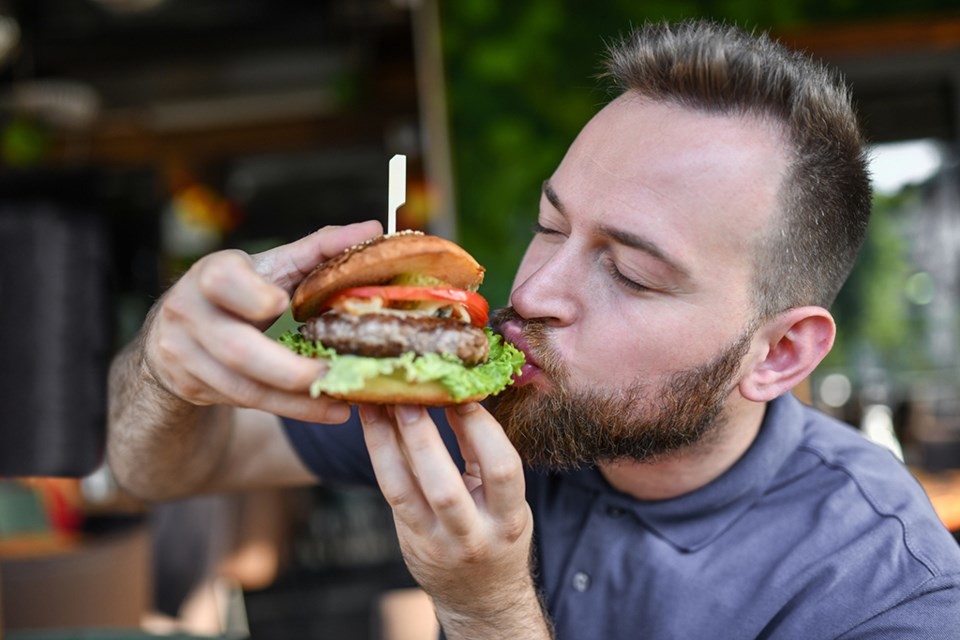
[693, 520]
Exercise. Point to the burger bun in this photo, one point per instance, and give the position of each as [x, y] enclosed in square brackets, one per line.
[380, 259]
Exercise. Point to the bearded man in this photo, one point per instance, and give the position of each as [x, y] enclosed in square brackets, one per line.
[650, 475]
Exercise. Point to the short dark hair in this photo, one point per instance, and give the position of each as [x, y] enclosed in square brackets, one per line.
[825, 198]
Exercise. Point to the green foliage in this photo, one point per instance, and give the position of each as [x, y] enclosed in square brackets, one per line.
[519, 92]
[875, 319]
[522, 82]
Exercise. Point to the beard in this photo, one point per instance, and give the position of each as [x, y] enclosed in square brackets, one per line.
[565, 428]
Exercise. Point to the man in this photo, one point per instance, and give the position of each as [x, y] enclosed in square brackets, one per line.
[685, 253]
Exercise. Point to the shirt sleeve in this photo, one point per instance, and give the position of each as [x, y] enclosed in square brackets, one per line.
[337, 453]
[933, 612]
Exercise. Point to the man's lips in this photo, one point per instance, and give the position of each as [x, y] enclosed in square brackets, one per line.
[512, 333]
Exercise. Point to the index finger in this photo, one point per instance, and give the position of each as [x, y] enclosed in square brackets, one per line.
[229, 281]
[501, 469]
[286, 265]
[438, 476]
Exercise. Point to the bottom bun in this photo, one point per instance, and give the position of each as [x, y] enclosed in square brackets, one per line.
[391, 390]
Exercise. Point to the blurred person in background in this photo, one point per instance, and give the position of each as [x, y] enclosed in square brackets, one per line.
[650, 473]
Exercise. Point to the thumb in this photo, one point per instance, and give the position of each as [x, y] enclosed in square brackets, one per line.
[286, 265]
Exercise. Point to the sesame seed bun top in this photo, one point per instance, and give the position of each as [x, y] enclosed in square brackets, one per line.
[377, 261]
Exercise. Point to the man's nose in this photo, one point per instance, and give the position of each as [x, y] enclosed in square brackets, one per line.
[551, 292]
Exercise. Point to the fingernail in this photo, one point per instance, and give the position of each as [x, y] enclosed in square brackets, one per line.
[464, 409]
[338, 413]
[370, 412]
[407, 414]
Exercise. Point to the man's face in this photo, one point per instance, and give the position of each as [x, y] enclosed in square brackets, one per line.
[633, 300]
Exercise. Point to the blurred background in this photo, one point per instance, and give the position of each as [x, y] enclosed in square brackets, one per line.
[138, 135]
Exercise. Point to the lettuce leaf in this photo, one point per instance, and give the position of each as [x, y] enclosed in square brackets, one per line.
[349, 372]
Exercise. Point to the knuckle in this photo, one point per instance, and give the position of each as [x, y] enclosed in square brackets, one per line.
[444, 500]
[214, 276]
[186, 387]
[174, 308]
[513, 529]
[168, 365]
[166, 349]
[398, 498]
[503, 472]
[215, 272]
[189, 389]
[473, 551]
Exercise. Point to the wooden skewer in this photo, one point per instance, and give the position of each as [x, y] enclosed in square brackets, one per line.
[396, 190]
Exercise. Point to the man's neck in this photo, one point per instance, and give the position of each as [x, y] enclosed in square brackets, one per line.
[692, 468]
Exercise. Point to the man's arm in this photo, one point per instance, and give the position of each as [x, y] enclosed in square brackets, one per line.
[192, 400]
[156, 446]
[466, 539]
[191, 449]
[933, 611]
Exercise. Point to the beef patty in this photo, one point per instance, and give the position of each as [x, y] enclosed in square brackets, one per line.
[385, 335]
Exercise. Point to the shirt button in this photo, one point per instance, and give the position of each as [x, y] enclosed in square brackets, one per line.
[615, 512]
[581, 581]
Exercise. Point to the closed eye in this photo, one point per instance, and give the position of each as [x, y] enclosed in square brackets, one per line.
[624, 280]
[539, 229]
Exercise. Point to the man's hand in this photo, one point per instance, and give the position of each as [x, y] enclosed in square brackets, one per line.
[174, 424]
[466, 539]
[204, 341]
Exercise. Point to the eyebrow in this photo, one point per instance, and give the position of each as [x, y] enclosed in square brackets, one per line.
[553, 198]
[625, 238]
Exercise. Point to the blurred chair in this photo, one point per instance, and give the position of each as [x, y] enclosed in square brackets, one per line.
[207, 551]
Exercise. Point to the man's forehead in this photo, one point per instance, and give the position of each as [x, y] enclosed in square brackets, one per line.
[655, 151]
[693, 182]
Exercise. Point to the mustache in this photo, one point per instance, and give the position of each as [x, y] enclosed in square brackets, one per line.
[503, 315]
[536, 332]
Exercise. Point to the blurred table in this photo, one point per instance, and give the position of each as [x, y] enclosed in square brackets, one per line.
[94, 581]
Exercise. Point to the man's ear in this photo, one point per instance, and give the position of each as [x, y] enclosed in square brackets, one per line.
[791, 345]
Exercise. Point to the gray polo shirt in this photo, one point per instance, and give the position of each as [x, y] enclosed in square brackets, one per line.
[814, 533]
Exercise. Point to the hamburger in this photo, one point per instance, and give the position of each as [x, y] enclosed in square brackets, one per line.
[399, 321]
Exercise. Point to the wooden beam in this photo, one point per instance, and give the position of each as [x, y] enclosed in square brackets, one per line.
[918, 34]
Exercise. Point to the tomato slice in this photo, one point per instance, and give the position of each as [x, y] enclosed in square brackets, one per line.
[477, 307]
